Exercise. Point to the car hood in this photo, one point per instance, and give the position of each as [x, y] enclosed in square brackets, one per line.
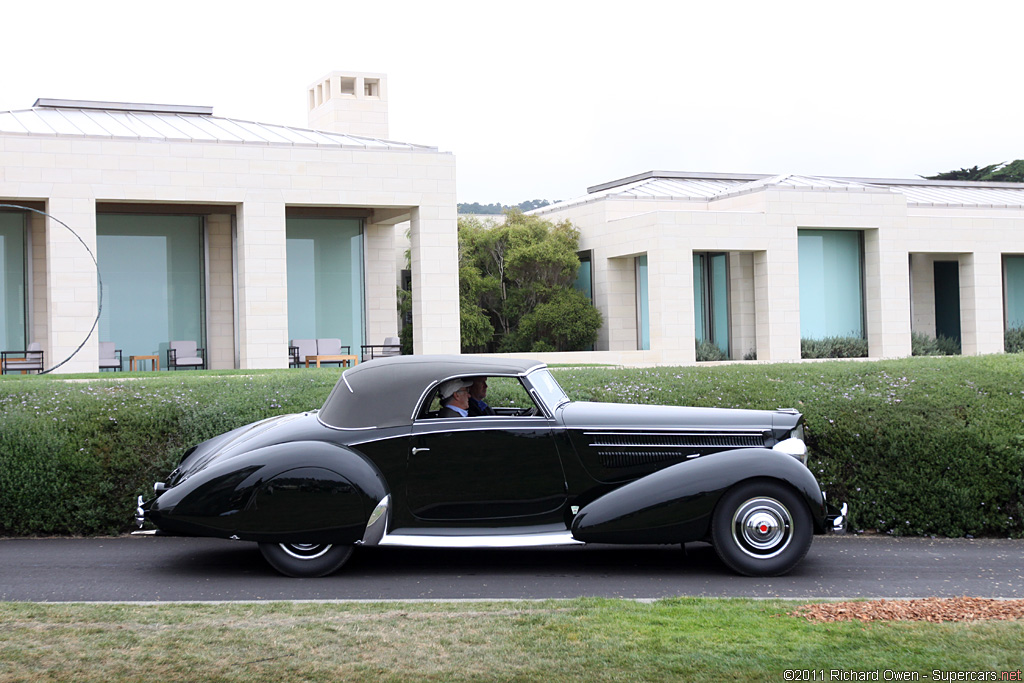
[581, 414]
[239, 441]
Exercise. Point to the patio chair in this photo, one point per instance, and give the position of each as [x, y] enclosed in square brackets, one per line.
[185, 354]
[110, 358]
[298, 350]
[391, 347]
[29, 360]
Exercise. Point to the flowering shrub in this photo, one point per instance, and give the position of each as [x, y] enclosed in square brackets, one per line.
[918, 446]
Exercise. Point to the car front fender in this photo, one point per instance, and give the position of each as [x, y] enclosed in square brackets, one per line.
[674, 505]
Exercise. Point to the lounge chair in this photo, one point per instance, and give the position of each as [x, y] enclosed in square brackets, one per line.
[29, 360]
[110, 358]
[185, 354]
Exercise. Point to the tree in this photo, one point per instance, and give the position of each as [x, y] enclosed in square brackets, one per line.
[519, 276]
[1012, 172]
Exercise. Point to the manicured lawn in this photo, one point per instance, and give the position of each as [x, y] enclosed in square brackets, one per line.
[576, 640]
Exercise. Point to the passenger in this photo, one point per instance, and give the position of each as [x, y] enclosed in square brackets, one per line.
[477, 394]
[454, 398]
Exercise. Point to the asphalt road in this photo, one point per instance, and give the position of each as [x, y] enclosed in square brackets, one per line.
[175, 569]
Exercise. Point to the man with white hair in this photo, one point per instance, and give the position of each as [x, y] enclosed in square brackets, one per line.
[454, 396]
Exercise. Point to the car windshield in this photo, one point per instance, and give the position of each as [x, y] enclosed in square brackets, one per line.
[548, 388]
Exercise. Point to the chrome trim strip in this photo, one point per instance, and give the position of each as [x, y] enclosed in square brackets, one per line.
[656, 445]
[663, 431]
[493, 541]
[483, 428]
[344, 429]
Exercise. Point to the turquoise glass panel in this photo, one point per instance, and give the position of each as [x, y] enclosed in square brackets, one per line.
[584, 283]
[152, 273]
[642, 305]
[831, 290]
[1014, 292]
[700, 325]
[325, 280]
[719, 303]
[12, 282]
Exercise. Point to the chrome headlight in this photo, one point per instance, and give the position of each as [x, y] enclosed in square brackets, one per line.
[794, 445]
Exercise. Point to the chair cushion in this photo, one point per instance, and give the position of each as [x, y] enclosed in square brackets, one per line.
[328, 347]
[307, 347]
[185, 349]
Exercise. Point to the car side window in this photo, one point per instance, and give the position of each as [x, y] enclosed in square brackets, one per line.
[499, 396]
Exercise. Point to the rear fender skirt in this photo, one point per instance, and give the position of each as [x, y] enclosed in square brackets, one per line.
[674, 505]
[302, 492]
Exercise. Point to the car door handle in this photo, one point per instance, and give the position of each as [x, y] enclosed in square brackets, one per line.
[419, 450]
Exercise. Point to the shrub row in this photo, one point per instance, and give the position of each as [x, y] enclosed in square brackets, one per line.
[919, 446]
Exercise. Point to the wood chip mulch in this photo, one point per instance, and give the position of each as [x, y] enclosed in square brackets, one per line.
[926, 609]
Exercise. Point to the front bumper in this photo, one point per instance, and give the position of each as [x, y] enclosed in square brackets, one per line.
[835, 518]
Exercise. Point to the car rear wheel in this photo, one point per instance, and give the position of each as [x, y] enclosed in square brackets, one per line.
[761, 528]
[305, 560]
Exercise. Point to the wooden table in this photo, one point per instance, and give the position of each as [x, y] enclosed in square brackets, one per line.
[3, 368]
[351, 360]
[132, 359]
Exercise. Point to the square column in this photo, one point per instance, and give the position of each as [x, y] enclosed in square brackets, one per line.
[435, 280]
[886, 293]
[670, 304]
[981, 303]
[381, 270]
[777, 302]
[72, 285]
[261, 253]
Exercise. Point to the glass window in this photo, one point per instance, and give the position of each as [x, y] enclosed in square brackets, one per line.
[12, 281]
[711, 299]
[642, 306]
[831, 289]
[1014, 284]
[153, 288]
[325, 279]
[584, 282]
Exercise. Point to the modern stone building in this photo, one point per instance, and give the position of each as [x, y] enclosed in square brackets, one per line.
[754, 263]
[236, 235]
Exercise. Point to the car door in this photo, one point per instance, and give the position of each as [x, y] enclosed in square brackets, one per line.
[502, 470]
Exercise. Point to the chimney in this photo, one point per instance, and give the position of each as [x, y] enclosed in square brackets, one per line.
[353, 103]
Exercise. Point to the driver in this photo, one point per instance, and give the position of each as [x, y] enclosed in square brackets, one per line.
[477, 394]
[454, 398]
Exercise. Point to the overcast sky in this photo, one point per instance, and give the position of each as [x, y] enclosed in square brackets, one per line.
[543, 99]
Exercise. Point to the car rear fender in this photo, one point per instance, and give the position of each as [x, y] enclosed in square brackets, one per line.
[675, 504]
[306, 491]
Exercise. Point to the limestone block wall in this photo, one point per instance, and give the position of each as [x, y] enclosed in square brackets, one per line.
[256, 182]
[220, 315]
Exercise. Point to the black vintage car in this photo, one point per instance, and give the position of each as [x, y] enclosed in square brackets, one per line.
[381, 463]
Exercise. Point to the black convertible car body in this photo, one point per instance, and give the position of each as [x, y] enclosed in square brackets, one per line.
[377, 466]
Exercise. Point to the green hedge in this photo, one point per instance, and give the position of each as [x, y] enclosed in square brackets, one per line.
[919, 446]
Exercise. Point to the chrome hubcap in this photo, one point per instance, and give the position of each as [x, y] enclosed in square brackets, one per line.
[305, 551]
[762, 527]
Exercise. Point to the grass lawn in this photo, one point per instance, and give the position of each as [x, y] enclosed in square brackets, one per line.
[575, 640]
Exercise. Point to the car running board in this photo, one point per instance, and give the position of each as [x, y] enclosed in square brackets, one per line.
[490, 541]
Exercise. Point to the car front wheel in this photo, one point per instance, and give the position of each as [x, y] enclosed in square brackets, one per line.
[305, 560]
[761, 528]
